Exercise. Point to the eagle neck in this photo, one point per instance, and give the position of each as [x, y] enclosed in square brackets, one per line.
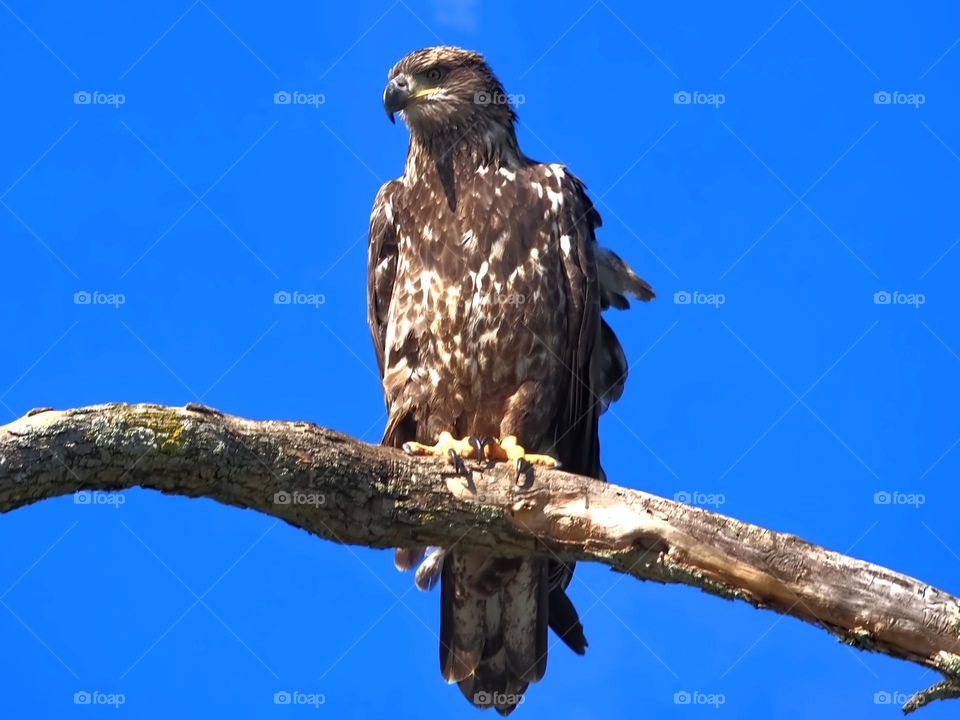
[458, 150]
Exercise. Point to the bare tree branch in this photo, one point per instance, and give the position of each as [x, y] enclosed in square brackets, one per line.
[350, 492]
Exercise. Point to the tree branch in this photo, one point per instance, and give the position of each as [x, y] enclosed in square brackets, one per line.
[350, 492]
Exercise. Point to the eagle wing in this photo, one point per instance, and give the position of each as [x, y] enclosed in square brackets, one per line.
[382, 258]
[575, 431]
[382, 261]
[597, 279]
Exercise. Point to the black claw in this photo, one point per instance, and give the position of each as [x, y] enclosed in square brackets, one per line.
[457, 462]
[523, 467]
[487, 440]
[478, 445]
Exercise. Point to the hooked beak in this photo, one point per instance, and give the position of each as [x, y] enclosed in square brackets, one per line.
[396, 96]
[399, 93]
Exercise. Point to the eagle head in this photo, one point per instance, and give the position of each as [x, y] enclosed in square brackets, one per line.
[445, 88]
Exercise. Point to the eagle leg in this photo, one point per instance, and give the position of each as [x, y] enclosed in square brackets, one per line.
[451, 448]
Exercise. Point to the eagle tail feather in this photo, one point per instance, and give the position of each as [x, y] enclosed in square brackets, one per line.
[524, 618]
[462, 618]
[512, 648]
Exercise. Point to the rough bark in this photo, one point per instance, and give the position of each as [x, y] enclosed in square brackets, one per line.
[350, 492]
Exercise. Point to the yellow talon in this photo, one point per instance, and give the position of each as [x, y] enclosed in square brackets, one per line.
[445, 443]
[469, 448]
[508, 449]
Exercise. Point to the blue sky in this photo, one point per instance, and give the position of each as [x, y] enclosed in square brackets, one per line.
[803, 200]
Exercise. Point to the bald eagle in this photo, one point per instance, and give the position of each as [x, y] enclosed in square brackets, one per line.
[485, 287]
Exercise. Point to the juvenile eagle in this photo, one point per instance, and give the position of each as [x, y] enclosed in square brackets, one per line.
[485, 286]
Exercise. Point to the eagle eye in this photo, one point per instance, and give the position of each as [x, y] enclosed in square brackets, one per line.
[434, 74]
